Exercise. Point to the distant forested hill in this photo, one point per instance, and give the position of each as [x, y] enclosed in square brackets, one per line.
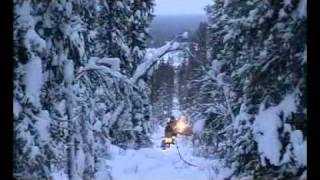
[165, 27]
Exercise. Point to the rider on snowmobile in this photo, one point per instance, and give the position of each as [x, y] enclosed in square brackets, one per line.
[173, 128]
[169, 130]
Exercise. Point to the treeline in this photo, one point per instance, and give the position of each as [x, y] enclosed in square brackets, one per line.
[176, 23]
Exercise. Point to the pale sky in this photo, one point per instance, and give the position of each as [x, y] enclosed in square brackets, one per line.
[176, 7]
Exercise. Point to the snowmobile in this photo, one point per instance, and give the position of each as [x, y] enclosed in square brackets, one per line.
[174, 128]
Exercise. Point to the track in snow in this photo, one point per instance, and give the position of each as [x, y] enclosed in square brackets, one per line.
[156, 164]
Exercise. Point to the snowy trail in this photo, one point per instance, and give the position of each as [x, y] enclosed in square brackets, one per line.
[156, 164]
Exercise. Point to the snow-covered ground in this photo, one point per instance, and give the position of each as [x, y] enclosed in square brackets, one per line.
[157, 164]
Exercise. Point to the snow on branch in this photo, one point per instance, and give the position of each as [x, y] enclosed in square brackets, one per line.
[266, 125]
[107, 65]
[112, 63]
[116, 113]
[151, 58]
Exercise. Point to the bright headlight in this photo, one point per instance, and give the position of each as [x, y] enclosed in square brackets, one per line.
[168, 140]
[180, 126]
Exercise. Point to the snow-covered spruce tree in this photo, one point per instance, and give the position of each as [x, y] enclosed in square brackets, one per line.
[68, 106]
[258, 54]
[114, 22]
[162, 92]
[138, 34]
[192, 69]
[123, 31]
[203, 99]
[39, 139]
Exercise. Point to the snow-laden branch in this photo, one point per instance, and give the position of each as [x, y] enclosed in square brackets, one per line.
[100, 64]
[151, 59]
[112, 63]
[117, 112]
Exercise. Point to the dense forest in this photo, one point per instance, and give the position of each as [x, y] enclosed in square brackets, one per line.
[246, 86]
[88, 79]
[73, 96]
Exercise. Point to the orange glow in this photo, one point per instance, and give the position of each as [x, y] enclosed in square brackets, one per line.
[181, 126]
